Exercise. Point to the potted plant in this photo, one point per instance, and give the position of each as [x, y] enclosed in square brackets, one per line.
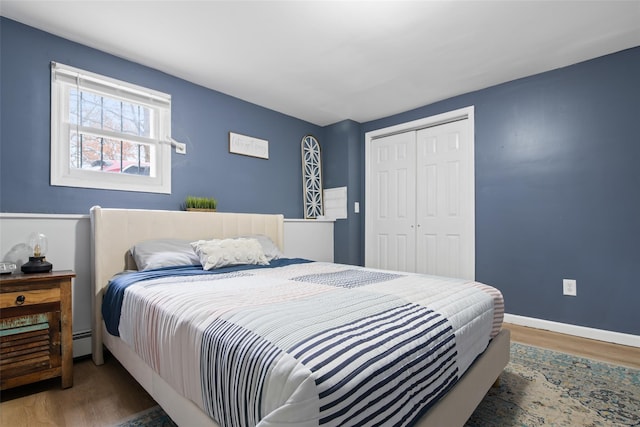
[201, 204]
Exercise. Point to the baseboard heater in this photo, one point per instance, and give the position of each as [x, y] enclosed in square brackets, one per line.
[81, 343]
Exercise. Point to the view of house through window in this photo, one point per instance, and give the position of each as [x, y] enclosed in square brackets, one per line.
[94, 113]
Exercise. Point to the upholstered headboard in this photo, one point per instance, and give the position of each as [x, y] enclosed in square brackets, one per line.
[114, 231]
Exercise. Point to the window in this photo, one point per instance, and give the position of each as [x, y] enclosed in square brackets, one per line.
[108, 134]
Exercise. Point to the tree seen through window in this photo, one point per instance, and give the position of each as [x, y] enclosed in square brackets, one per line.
[92, 150]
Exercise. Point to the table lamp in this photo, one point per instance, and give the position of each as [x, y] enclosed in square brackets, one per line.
[39, 244]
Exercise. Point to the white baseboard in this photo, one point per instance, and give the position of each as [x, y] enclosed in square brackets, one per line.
[579, 331]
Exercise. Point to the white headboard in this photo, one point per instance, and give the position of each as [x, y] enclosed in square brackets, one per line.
[114, 231]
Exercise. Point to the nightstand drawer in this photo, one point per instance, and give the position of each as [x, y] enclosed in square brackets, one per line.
[25, 298]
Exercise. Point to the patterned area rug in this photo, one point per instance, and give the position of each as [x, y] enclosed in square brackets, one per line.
[152, 417]
[538, 388]
[545, 388]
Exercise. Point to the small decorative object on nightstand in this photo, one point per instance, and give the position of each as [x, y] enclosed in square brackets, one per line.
[7, 267]
[39, 245]
[35, 328]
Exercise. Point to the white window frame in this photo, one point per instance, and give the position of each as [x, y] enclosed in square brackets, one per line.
[63, 79]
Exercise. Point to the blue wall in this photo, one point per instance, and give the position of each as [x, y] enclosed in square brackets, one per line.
[342, 156]
[557, 169]
[558, 190]
[201, 118]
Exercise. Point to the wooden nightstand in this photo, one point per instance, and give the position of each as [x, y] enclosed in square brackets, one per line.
[35, 328]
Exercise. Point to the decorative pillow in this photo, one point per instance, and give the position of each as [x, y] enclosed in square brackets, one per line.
[270, 249]
[221, 253]
[152, 254]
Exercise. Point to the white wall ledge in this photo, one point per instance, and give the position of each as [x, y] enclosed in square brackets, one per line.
[308, 220]
[11, 215]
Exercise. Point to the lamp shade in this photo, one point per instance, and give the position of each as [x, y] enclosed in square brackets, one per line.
[39, 245]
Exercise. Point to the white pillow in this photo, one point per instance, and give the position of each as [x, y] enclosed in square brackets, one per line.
[270, 249]
[221, 253]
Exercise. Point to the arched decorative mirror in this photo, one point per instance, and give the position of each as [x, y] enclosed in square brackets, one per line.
[312, 177]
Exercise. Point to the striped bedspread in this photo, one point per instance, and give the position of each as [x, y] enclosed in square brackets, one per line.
[310, 344]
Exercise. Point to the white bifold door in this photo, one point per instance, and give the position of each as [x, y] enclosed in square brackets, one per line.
[421, 211]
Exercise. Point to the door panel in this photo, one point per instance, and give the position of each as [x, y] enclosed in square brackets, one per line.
[452, 192]
[445, 177]
[394, 204]
[382, 247]
[430, 252]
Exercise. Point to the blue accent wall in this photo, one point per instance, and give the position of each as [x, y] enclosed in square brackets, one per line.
[557, 169]
[342, 156]
[558, 190]
[201, 118]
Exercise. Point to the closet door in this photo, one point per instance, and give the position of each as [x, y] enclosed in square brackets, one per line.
[393, 203]
[445, 222]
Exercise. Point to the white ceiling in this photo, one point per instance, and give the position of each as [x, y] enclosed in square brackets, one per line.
[326, 61]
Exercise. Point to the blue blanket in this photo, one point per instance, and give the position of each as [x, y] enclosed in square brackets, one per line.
[114, 295]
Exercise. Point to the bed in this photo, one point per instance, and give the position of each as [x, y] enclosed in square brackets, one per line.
[115, 231]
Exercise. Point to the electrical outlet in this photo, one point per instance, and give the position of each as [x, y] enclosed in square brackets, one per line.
[569, 287]
[181, 148]
[356, 207]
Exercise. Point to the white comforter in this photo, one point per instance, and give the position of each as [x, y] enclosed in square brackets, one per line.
[310, 344]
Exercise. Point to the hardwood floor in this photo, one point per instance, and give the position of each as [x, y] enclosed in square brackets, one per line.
[592, 349]
[100, 396]
[103, 395]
